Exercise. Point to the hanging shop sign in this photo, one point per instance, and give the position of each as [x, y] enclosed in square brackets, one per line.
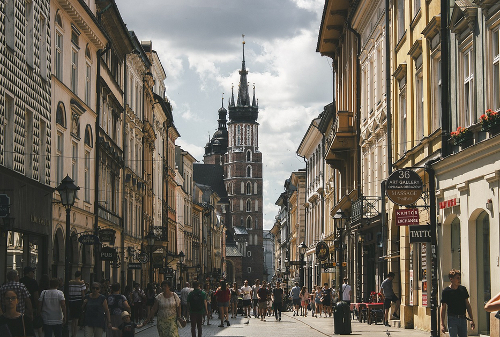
[107, 235]
[88, 239]
[420, 233]
[404, 187]
[406, 217]
[108, 254]
[134, 265]
[322, 251]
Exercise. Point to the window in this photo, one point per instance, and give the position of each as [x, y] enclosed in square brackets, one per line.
[43, 48]
[402, 116]
[87, 176]
[28, 143]
[59, 56]
[249, 155]
[249, 188]
[436, 94]
[30, 24]
[419, 101]
[468, 116]
[249, 172]
[88, 83]
[74, 163]
[496, 70]
[249, 205]
[249, 222]
[10, 9]
[74, 70]
[401, 18]
[59, 160]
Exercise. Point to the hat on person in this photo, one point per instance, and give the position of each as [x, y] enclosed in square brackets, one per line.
[125, 314]
[29, 269]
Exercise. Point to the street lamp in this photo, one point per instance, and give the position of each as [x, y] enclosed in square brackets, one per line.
[302, 252]
[181, 259]
[67, 190]
[151, 242]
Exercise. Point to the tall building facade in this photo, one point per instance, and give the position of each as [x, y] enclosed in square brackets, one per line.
[235, 146]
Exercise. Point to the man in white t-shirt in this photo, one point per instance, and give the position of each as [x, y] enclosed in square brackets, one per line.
[246, 290]
[346, 291]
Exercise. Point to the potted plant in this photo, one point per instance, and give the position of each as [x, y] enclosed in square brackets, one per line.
[490, 120]
[461, 135]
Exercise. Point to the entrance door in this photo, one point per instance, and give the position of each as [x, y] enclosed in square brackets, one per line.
[483, 271]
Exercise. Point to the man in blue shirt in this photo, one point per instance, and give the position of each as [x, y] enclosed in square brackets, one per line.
[295, 295]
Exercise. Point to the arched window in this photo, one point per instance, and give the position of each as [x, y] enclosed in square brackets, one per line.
[249, 188]
[88, 136]
[61, 114]
[249, 171]
[249, 205]
[58, 19]
[249, 222]
[249, 155]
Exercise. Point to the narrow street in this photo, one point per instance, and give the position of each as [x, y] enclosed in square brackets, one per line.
[289, 326]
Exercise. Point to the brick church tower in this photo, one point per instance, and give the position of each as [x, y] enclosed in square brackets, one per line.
[235, 146]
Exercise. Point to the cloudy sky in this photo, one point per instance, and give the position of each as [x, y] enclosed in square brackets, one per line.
[199, 44]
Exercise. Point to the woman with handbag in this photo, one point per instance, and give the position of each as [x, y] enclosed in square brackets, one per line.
[18, 324]
[96, 312]
[52, 305]
[168, 306]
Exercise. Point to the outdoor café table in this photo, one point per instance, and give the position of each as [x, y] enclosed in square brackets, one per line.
[370, 307]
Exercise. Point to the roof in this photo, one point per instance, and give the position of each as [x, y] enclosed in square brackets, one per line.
[232, 251]
[240, 230]
[211, 175]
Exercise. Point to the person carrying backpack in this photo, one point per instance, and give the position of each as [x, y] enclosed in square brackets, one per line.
[197, 306]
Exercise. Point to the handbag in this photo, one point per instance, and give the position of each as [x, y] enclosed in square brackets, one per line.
[38, 320]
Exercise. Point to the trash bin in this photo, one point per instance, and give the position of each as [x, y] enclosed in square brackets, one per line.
[342, 318]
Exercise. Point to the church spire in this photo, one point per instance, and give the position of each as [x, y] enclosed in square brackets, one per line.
[243, 95]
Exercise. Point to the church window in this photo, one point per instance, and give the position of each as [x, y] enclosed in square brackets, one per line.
[249, 172]
[249, 188]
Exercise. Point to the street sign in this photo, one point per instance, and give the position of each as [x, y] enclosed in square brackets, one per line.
[108, 254]
[405, 217]
[4, 205]
[88, 239]
[322, 251]
[420, 233]
[134, 265]
[404, 187]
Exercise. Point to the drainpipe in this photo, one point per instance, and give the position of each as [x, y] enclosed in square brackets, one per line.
[445, 106]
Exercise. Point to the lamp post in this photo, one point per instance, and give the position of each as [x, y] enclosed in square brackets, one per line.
[302, 251]
[67, 190]
[151, 242]
[181, 259]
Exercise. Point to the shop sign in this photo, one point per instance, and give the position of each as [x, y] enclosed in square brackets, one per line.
[449, 203]
[108, 254]
[88, 239]
[107, 235]
[322, 251]
[4, 205]
[404, 187]
[405, 217]
[134, 265]
[420, 233]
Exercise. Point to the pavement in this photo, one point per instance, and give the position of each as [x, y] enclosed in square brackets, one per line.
[289, 326]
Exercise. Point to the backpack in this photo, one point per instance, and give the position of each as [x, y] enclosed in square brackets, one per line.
[197, 301]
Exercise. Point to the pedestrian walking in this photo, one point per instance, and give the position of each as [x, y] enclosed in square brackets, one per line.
[76, 294]
[295, 295]
[455, 301]
[246, 292]
[184, 295]
[235, 292]
[304, 301]
[117, 304]
[168, 306]
[19, 325]
[23, 301]
[255, 300]
[262, 298]
[197, 305]
[96, 312]
[277, 297]
[346, 291]
[52, 306]
[389, 297]
[223, 295]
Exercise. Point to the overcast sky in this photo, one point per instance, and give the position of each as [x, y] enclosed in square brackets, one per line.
[199, 44]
